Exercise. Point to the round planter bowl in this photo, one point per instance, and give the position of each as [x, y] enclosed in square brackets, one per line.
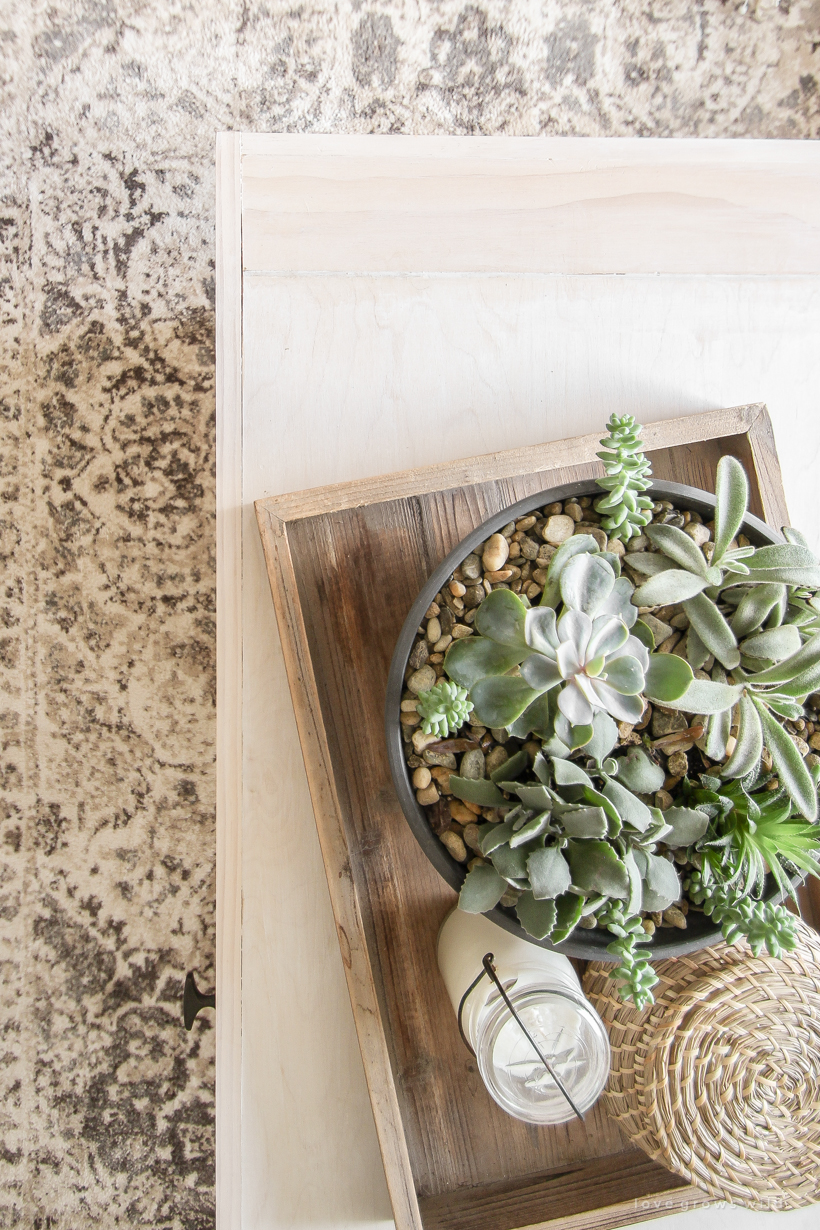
[586, 945]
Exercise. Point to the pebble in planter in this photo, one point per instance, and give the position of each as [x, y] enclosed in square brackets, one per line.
[633, 749]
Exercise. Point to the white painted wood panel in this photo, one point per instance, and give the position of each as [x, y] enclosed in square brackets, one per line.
[523, 204]
[346, 375]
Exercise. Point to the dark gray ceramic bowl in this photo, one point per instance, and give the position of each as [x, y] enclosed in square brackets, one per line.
[587, 945]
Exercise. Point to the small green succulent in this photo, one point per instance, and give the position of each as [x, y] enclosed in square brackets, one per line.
[761, 922]
[444, 709]
[753, 831]
[634, 976]
[625, 510]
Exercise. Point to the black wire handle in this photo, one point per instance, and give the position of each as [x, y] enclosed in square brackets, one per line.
[490, 971]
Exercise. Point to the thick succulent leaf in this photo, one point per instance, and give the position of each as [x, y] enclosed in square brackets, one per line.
[496, 835]
[604, 737]
[581, 736]
[802, 684]
[793, 535]
[668, 587]
[586, 582]
[596, 868]
[661, 886]
[667, 678]
[548, 873]
[753, 609]
[713, 629]
[635, 897]
[480, 791]
[477, 658]
[732, 492]
[536, 717]
[608, 635]
[774, 644]
[644, 634]
[536, 797]
[718, 728]
[585, 822]
[624, 708]
[788, 763]
[510, 769]
[805, 659]
[704, 696]
[630, 808]
[539, 672]
[749, 746]
[648, 563]
[536, 917]
[502, 618]
[500, 699]
[624, 675]
[783, 555]
[696, 652]
[619, 602]
[568, 773]
[638, 773]
[687, 824]
[809, 577]
[540, 631]
[511, 864]
[482, 890]
[568, 910]
[785, 706]
[541, 768]
[578, 544]
[679, 547]
[534, 828]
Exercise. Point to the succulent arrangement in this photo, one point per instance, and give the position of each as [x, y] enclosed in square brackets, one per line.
[577, 817]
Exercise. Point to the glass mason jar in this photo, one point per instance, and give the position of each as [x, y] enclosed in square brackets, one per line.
[546, 994]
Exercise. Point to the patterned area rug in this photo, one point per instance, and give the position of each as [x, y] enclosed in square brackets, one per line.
[109, 109]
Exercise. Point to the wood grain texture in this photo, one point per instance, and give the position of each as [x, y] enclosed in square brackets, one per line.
[229, 686]
[532, 204]
[617, 1191]
[658, 438]
[328, 809]
[345, 565]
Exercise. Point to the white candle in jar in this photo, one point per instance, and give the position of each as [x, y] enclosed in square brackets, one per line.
[546, 994]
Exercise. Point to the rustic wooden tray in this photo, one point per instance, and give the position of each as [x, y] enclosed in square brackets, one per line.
[345, 564]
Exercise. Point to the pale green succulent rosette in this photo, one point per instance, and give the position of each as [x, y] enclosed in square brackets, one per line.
[576, 666]
[443, 709]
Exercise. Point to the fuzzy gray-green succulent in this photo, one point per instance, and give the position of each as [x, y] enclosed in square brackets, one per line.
[751, 608]
[569, 846]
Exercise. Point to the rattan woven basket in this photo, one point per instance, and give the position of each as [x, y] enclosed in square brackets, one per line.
[720, 1079]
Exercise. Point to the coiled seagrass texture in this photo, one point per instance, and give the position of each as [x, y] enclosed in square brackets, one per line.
[719, 1080]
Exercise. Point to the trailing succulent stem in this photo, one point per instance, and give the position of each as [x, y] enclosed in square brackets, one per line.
[625, 509]
[634, 975]
[761, 922]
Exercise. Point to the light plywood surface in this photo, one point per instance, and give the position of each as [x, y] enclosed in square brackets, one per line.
[348, 375]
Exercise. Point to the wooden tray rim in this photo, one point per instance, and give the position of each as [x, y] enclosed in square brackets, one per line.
[274, 513]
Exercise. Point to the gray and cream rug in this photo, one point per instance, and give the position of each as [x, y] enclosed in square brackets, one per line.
[109, 110]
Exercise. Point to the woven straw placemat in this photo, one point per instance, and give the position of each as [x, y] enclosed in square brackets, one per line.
[719, 1080]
